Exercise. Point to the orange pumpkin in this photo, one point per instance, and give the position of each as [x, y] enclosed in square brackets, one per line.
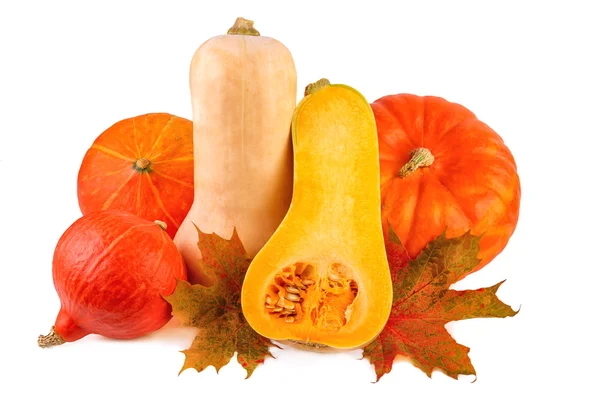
[444, 169]
[143, 165]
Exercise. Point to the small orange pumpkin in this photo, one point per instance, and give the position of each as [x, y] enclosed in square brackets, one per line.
[444, 169]
[143, 165]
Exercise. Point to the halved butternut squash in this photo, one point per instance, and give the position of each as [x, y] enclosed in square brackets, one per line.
[323, 277]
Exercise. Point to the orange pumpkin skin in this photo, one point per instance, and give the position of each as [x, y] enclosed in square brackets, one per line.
[472, 183]
[143, 165]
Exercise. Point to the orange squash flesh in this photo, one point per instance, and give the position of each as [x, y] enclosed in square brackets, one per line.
[323, 276]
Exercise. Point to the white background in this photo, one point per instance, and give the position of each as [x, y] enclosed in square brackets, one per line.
[528, 69]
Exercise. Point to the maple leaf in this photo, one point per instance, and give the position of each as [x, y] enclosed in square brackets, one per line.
[217, 310]
[423, 304]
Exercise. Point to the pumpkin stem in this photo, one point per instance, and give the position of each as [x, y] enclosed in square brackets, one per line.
[142, 165]
[162, 224]
[243, 26]
[420, 157]
[51, 339]
[316, 86]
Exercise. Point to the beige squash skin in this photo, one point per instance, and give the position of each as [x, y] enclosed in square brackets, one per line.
[243, 91]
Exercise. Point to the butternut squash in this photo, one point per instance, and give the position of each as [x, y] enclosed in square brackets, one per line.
[323, 279]
[243, 92]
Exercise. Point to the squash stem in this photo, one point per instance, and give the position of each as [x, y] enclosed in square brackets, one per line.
[243, 26]
[162, 224]
[420, 157]
[142, 165]
[51, 339]
[316, 86]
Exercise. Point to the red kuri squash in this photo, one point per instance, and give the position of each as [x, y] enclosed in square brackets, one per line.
[444, 169]
[111, 270]
[143, 165]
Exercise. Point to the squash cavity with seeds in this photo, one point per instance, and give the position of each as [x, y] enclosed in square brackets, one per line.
[322, 279]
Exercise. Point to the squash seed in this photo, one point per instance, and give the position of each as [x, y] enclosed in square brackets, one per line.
[291, 289]
[334, 277]
[292, 297]
[278, 309]
[307, 282]
[289, 319]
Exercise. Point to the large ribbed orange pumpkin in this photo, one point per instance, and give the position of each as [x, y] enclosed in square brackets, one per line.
[444, 169]
[143, 165]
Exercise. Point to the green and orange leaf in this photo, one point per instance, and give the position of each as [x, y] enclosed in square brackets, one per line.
[217, 311]
[423, 304]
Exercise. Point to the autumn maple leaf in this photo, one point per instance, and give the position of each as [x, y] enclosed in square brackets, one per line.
[423, 304]
[217, 310]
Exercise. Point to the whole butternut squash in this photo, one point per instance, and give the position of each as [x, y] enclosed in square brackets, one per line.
[243, 92]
